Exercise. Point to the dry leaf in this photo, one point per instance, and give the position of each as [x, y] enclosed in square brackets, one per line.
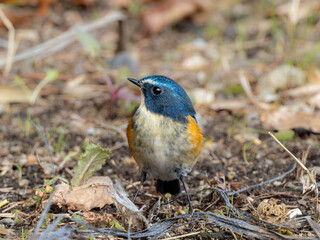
[283, 76]
[167, 12]
[297, 10]
[95, 193]
[3, 230]
[232, 105]
[269, 210]
[201, 95]
[309, 89]
[128, 210]
[291, 117]
[13, 94]
[315, 100]
[31, 160]
[195, 63]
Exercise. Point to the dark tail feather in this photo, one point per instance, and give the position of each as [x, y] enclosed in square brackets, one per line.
[172, 187]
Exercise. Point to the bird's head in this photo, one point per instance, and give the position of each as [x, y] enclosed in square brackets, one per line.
[162, 95]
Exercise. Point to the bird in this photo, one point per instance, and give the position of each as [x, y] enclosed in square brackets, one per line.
[163, 135]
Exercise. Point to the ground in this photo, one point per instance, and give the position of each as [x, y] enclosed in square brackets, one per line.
[91, 101]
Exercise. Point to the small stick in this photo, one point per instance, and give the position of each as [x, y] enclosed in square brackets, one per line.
[183, 236]
[314, 183]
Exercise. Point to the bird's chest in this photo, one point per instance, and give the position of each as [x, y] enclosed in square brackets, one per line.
[160, 145]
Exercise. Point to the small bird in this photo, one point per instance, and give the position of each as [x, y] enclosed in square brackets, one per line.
[163, 135]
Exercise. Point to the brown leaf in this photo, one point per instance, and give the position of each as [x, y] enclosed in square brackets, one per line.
[31, 160]
[165, 13]
[269, 210]
[286, 118]
[3, 230]
[229, 104]
[306, 90]
[13, 94]
[96, 192]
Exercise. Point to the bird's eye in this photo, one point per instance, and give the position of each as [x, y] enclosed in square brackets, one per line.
[157, 90]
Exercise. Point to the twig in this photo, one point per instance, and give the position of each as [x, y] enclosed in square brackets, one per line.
[182, 236]
[11, 43]
[314, 226]
[265, 182]
[12, 205]
[58, 43]
[247, 89]
[303, 160]
[312, 180]
[42, 217]
[39, 130]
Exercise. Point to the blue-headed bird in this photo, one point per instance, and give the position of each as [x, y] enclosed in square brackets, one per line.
[163, 135]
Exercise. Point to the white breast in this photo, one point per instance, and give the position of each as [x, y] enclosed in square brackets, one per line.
[161, 147]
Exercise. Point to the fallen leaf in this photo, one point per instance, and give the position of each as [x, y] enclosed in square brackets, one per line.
[201, 95]
[95, 193]
[13, 94]
[269, 210]
[283, 76]
[3, 230]
[315, 100]
[305, 90]
[290, 117]
[31, 160]
[128, 210]
[228, 104]
[165, 13]
[195, 63]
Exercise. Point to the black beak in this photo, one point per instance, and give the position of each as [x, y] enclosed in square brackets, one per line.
[134, 81]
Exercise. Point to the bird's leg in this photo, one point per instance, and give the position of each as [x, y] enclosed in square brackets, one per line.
[143, 178]
[185, 188]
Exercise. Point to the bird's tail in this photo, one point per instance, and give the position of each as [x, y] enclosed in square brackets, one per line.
[172, 187]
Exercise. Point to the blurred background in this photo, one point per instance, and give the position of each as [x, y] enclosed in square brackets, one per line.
[249, 67]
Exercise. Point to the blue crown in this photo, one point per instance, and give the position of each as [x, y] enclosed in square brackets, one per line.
[164, 96]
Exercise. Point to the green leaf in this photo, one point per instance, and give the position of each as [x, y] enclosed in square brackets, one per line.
[284, 135]
[90, 161]
[233, 89]
[51, 76]
[285, 232]
[89, 43]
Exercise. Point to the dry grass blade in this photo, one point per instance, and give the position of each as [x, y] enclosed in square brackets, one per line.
[58, 43]
[182, 236]
[315, 226]
[11, 43]
[312, 180]
[247, 88]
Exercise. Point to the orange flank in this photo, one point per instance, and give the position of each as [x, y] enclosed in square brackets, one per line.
[130, 135]
[195, 135]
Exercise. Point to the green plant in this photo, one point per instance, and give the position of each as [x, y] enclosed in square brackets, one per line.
[24, 233]
[116, 224]
[26, 123]
[33, 95]
[19, 167]
[89, 162]
[61, 143]
[244, 152]
[89, 43]
[230, 130]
